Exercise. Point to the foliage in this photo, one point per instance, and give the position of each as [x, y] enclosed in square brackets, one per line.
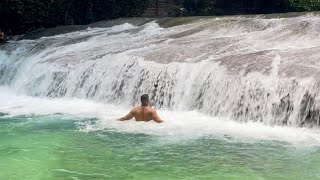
[174, 11]
[305, 5]
[224, 7]
[20, 16]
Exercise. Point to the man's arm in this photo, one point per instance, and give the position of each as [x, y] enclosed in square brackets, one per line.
[156, 118]
[127, 117]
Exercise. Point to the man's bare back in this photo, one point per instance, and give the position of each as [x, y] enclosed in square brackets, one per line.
[143, 113]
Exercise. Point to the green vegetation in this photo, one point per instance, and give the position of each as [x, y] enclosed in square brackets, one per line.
[227, 7]
[20, 16]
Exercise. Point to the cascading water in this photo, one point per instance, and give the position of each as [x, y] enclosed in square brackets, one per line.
[248, 69]
[239, 97]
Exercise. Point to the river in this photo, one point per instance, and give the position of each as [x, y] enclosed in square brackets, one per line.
[239, 97]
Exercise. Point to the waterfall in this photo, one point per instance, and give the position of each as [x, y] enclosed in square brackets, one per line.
[248, 69]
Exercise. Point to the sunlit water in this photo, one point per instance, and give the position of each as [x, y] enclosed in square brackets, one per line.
[78, 139]
[240, 97]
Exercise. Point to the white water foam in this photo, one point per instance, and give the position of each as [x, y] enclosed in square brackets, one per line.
[178, 124]
[249, 69]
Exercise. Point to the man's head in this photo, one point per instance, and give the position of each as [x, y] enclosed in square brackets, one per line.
[145, 100]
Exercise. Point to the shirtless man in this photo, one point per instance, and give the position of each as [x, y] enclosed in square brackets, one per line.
[143, 112]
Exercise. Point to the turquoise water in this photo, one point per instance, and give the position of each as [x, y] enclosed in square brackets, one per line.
[56, 147]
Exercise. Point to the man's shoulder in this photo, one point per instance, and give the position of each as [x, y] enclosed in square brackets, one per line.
[139, 108]
[150, 109]
[136, 108]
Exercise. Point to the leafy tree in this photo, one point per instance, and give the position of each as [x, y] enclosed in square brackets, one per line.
[20, 16]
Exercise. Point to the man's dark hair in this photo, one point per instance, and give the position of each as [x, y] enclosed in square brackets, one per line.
[145, 99]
